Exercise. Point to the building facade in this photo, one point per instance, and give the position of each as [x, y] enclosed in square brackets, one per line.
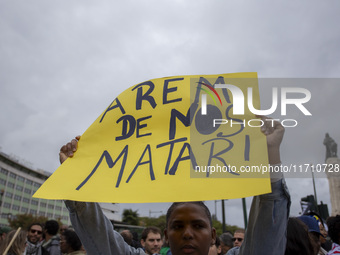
[17, 185]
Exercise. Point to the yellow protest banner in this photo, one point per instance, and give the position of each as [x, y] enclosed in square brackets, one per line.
[169, 139]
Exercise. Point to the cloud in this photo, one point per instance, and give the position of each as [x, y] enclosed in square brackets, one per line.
[64, 62]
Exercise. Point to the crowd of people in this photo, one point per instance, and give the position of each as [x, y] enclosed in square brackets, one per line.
[46, 238]
[306, 235]
[189, 229]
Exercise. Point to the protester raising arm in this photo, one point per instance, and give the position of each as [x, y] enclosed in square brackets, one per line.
[268, 217]
[267, 220]
[93, 228]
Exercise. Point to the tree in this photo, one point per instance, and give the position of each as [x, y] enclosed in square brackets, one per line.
[131, 217]
[24, 220]
[159, 222]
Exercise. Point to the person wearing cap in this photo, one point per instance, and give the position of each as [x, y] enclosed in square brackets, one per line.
[314, 233]
[326, 244]
[3, 232]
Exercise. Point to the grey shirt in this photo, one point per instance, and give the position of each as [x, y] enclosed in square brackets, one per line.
[266, 233]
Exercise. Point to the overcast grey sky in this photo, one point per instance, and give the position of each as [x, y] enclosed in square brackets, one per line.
[63, 62]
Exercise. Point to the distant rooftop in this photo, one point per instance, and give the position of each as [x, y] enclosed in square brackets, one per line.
[23, 165]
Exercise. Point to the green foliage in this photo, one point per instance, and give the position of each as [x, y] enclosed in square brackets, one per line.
[131, 217]
[24, 220]
[218, 226]
[159, 222]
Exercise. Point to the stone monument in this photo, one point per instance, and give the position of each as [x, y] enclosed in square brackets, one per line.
[333, 173]
[331, 147]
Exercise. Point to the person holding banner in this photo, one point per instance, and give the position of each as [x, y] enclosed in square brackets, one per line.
[189, 226]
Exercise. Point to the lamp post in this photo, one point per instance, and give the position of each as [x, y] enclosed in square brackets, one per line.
[315, 197]
[245, 213]
[223, 214]
[223, 217]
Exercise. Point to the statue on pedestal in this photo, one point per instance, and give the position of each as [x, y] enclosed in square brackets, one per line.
[331, 147]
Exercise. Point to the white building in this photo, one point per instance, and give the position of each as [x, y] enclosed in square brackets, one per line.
[17, 185]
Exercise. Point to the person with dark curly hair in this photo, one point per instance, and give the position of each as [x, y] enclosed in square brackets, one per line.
[51, 242]
[70, 243]
[333, 224]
